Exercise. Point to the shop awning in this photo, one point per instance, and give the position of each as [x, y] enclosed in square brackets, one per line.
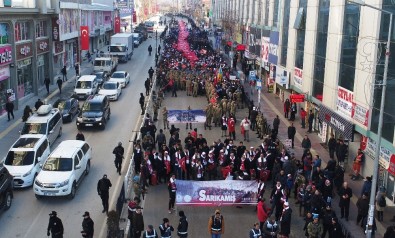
[240, 47]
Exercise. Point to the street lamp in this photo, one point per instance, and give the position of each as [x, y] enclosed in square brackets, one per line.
[369, 225]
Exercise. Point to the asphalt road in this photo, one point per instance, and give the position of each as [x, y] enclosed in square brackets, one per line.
[28, 217]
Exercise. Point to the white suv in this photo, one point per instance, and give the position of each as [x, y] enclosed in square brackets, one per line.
[64, 169]
[24, 158]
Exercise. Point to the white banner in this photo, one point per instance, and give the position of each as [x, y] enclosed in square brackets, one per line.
[344, 103]
[282, 76]
[298, 77]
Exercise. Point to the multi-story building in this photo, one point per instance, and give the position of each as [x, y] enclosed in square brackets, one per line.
[39, 37]
[330, 54]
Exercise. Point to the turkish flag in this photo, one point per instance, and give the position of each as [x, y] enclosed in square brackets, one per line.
[117, 26]
[84, 37]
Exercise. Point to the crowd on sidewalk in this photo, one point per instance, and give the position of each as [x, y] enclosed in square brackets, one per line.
[161, 160]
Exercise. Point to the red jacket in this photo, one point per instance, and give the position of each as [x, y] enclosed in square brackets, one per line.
[261, 211]
[303, 114]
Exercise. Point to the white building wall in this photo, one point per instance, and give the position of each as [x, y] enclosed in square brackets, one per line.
[271, 12]
[292, 38]
[310, 46]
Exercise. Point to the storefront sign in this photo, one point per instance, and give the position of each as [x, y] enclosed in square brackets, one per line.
[5, 55]
[324, 131]
[296, 98]
[282, 76]
[252, 75]
[4, 73]
[55, 29]
[371, 146]
[40, 60]
[273, 52]
[360, 114]
[24, 50]
[42, 46]
[58, 47]
[391, 167]
[344, 101]
[337, 122]
[24, 63]
[298, 77]
[265, 49]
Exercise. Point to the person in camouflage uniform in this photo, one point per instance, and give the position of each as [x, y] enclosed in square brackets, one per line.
[239, 100]
[209, 116]
[223, 105]
[195, 87]
[232, 110]
[217, 115]
[160, 97]
[188, 84]
[156, 108]
[165, 113]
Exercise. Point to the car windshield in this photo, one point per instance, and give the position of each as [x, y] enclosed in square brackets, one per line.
[109, 86]
[100, 62]
[34, 128]
[118, 75]
[19, 158]
[117, 48]
[84, 84]
[64, 105]
[89, 106]
[99, 75]
[58, 164]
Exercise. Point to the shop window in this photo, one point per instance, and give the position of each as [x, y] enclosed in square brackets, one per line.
[300, 20]
[41, 29]
[267, 7]
[22, 31]
[4, 33]
[284, 37]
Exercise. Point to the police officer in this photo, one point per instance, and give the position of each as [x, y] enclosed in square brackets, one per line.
[118, 152]
[87, 226]
[150, 232]
[216, 225]
[55, 226]
[182, 229]
[103, 186]
[166, 229]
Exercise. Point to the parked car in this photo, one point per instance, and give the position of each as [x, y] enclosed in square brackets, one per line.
[94, 112]
[101, 77]
[63, 171]
[111, 89]
[6, 187]
[24, 157]
[68, 108]
[121, 77]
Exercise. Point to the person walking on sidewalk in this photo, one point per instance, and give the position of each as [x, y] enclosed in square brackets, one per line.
[87, 226]
[332, 146]
[103, 187]
[142, 101]
[118, 152]
[245, 128]
[341, 152]
[149, 50]
[55, 226]
[291, 133]
[303, 115]
[38, 104]
[80, 136]
[59, 82]
[306, 144]
[363, 207]
[310, 121]
[9, 106]
[345, 194]
[64, 73]
[182, 229]
[77, 69]
[287, 108]
[147, 85]
[216, 225]
[151, 72]
[358, 161]
[294, 110]
[276, 125]
[47, 81]
[380, 203]
[27, 112]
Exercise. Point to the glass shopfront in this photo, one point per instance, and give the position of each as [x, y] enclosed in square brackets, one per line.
[42, 69]
[4, 85]
[25, 78]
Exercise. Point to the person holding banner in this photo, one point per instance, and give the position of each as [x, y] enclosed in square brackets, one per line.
[216, 225]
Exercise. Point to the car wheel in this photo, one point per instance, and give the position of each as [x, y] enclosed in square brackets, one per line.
[73, 191]
[60, 132]
[38, 196]
[88, 167]
[8, 200]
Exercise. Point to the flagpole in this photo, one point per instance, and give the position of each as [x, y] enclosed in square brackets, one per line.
[79, 41]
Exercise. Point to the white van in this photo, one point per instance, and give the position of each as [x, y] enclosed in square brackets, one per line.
[86, 85]
[24, 158]
[64, 169]
[46, 121]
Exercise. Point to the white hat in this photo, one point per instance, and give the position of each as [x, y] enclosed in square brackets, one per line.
[203, 153]
[286, 157]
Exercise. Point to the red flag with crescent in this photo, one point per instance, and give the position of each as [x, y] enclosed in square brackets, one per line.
[183, 164]
[84, 37]
[117, 25]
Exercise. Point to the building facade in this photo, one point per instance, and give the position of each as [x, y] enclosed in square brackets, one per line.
[331, 55]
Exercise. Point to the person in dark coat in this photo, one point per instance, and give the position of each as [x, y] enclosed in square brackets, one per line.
[80, 136]
[138, 222]
[149, 50]
[118, 152]
[182, 229]
[38, 104]
[47, 81]
[59, 82]
[64, 73]
[165, 228]
[150, 232]
[103, 187]
[291, 133]
[306, 144]
[87, 226]
[363, 207]
[345, 194]
[341, 152]
[332, 146]
[55, 226]
[335, 230]
[9, 107]
[27, 112]
[310, 120]
[285, 220]
[147, 85]
[141, 101]
[287, 107]
[276, 124]
[327, 217]
[151, 72]
[390, 232]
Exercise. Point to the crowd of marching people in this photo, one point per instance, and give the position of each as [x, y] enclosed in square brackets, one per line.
[282, 177]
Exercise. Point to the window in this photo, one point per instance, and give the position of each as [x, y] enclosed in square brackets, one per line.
[80, 155]
[22, 31]
[276, 14]
[76, 161]
[300, 20]
[85, 148]
[284, 36]
[299, 24]
[4, 33]
[321, 41]
[41, 29]
[267, 7]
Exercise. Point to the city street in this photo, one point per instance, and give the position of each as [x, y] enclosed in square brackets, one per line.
[28, 217]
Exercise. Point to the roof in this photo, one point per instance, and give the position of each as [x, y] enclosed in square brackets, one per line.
[67, 148]
[87, 78]
[35, 118]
